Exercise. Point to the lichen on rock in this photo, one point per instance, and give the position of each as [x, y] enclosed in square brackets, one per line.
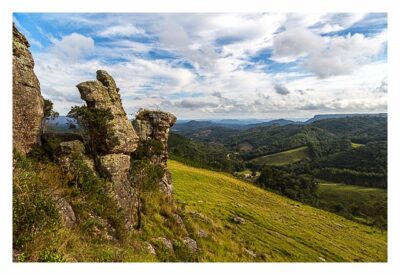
[104, 94]
[155, 125]
[27, 99]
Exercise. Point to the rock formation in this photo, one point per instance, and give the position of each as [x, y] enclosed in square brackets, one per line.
[104, 94]
[27, 99]
[155, 125]
[115, 164]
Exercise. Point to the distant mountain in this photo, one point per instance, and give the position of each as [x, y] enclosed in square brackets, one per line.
[321, 117]
[278, 122]
[237, 124]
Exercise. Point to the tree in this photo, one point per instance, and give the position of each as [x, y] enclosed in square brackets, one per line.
[96, 129]
[48, 111]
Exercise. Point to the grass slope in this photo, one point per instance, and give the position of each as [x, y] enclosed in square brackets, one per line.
[276, 228]
[284, 157]
[362, 203]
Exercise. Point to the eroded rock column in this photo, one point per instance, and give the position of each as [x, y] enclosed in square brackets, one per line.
[155, 125]
[27, 99]
[104, 94]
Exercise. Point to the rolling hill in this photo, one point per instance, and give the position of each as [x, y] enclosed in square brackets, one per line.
[284, 157]
[246, 223]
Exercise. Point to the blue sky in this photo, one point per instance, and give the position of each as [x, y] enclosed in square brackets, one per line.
[215, 65]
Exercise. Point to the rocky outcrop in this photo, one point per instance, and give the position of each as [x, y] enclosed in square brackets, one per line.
[115, 163]
[68, 152]
[27, 99]
[104, 94]
[154, 126]
[116, 168]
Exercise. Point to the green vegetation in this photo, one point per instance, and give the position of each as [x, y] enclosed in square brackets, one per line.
[356, 145]
[275, 228]
[284, 157]
[98, 235]
[363, 204]
[95, 124]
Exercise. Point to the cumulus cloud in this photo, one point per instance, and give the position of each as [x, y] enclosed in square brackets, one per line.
[209, 64]
[326, 56]
[73, 46]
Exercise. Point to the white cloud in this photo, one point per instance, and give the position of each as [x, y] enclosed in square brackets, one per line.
[121, 30]
[326, 56]
[335, 72]
[72, 46]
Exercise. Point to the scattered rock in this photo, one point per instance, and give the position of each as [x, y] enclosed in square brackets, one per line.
[177, 219]
[67, 214]
[200, 216]
[322, 259]
[339, 225]
[166, 244]
[150, 248]
[27, 99]
[238, 220]
[251, 253]
[202, 233]
[190, 243]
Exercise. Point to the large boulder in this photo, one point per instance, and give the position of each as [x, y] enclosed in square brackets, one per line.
[27, 99]
[104, 94]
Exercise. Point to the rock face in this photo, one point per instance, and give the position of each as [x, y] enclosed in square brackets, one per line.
[155, 125]
[115, 164]
[70, 150]
[104, 94]
[27, 99]
[116, 168]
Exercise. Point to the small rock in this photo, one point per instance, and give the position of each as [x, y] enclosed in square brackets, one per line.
[190, 243]
[202, 233]
[238, 220]
[178, 219]
[66, 212]
[200, 216]
[165, 243]
[322, 259]
[251, 253]
[150, 248]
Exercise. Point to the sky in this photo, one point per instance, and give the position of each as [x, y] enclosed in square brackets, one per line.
[216, 65]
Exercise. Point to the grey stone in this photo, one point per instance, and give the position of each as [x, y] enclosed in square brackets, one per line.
[190, 243]
[27, 99]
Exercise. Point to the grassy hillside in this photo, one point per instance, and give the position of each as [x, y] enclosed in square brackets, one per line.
[275, 228]
[364, 204]
[284, 157]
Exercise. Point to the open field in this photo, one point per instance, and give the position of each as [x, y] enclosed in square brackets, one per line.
[284, 157]
[275, 228]
[364, 204]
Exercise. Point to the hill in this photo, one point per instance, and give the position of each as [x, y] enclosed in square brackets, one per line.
[273, 228]
[284, 157]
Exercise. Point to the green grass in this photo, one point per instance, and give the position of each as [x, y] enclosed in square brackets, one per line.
[276, 228]
[364, 204]
[284, 157]
[356, 145]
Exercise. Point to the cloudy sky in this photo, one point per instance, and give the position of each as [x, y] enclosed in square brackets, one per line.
[256, 65]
